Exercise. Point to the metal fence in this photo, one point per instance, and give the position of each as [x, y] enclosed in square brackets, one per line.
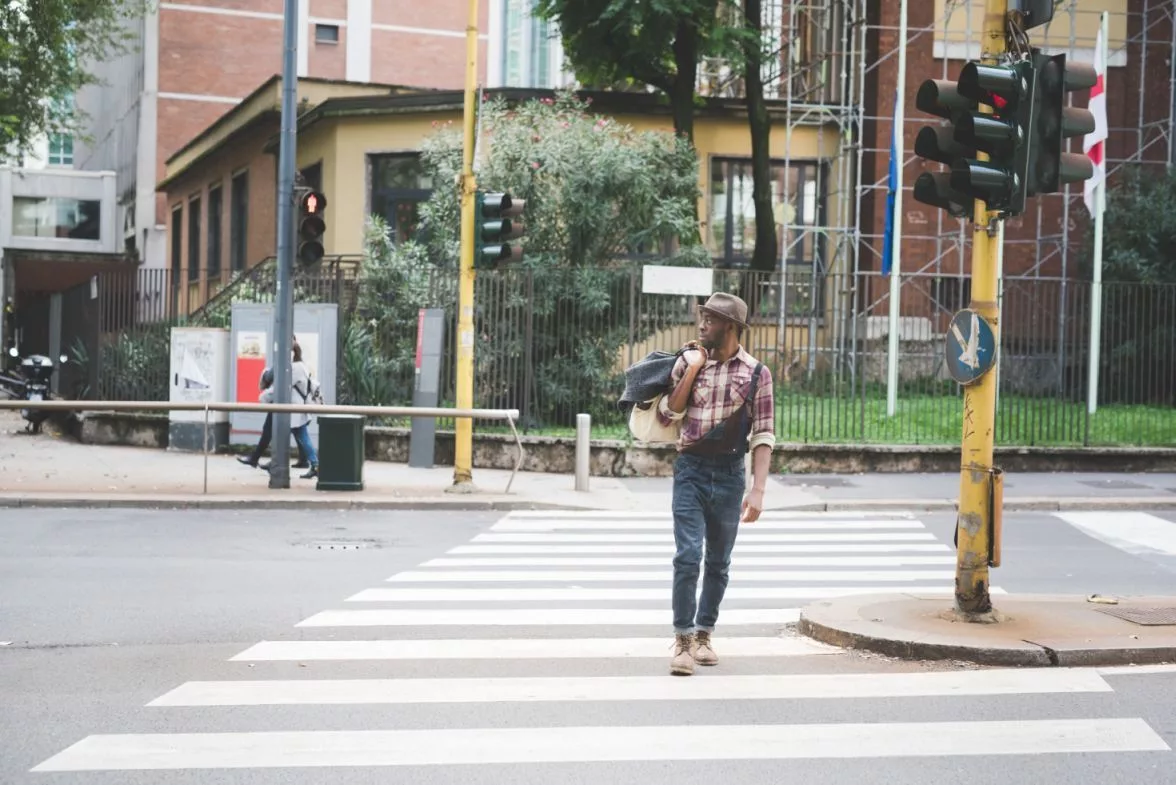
[553, 343]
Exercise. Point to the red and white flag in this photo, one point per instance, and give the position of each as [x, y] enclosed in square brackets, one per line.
[1094, 144]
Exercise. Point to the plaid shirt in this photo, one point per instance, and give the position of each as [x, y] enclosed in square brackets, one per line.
[719, 390]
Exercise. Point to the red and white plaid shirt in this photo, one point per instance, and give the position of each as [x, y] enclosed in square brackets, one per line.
[719, 390]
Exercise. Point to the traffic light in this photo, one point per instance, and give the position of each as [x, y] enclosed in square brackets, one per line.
[1000, 182]
[937, 143]
[495, 222]
[311, 227]
[1052, 167]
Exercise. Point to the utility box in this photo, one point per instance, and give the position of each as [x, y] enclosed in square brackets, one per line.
[199, 374]
[341, 451]
[252, 346]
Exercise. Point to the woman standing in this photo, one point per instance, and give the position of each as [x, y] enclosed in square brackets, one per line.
[300, 422]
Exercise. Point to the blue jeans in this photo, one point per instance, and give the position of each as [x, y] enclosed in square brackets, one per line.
[708, 497]
[302, 436]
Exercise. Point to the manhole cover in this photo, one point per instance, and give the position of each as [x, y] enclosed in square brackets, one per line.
[340, 545]
[1147, 617]
[813, 481]
[1122, 485]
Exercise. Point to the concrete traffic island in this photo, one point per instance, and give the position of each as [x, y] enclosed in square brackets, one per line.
[1028, 629]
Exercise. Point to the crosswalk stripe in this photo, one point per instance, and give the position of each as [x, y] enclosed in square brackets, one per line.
[524, 617]
[654, 561]
[581, 594]
[517, 649]
[767, 515]
[481, 746]
[740, 548]
[1131, 532]
[549, 689]
[635, 594]
[749, 536]
[761, 525]
[625, 576]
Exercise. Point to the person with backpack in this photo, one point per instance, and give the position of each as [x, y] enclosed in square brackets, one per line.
[306, 390]
[265, 386]
[721, 402]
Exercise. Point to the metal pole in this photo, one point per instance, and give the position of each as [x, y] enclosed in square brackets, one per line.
[583, 451]
[206, 448]
[973, 536]
[284, 299]
[464, 438]
[896, 235]
[1100, 204]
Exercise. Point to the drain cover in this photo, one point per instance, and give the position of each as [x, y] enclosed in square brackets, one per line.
[1147, 617]
[340, 545]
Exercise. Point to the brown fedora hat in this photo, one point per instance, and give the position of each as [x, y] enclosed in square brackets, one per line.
[727, 306]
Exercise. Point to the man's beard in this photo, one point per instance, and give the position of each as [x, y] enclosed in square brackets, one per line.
[715, 341]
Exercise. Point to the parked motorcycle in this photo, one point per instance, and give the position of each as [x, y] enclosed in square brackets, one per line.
[36, 371]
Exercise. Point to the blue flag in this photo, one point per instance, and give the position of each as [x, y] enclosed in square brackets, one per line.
[891, 182]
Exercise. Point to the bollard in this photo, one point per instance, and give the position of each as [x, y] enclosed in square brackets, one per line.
[583, 435]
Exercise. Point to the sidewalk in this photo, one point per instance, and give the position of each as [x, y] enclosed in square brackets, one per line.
[49, 470]
[1031, 630]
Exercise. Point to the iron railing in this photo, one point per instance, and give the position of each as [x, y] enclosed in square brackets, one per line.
[555, 342]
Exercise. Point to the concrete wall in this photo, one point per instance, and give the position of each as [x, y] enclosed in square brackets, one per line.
[64, 183]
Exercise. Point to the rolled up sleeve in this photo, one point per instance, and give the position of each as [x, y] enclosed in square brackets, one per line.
[763, 429]
[665, 414]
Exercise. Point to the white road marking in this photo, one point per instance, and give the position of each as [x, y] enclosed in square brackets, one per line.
[813, 686]
[581, 594]
[1132, 532]
[481, 746]
[667, 525]
[518, 649]
[668, 548]
[877, 537]
[522, 617]
[654, 561]
[623, 576]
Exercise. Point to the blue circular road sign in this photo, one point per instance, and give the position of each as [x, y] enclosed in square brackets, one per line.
[970, 345]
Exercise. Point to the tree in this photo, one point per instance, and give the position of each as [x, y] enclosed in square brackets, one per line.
[657, 43]
[550, 330]
[45, 46]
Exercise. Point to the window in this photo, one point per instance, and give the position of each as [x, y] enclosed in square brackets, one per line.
[312, 177]
[177, 253]
[798, 200]
[194, 239]
[239, 222]
[60, 150]
[326, 34]
[526, 46]
[56, 217]
[215, 204]
[399, 185]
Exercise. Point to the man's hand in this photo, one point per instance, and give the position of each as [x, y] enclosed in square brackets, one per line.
[695, 354]
[753, 505]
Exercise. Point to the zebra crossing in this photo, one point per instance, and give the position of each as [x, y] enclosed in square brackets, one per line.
[560, 612]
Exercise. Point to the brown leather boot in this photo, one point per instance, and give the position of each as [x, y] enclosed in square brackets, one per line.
[704, 653]
[682, 663]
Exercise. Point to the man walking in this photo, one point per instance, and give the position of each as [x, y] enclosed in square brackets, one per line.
[723, 397]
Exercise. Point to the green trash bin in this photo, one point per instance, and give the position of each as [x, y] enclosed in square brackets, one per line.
[340, 452]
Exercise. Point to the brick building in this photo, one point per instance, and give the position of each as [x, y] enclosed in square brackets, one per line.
[191, 62]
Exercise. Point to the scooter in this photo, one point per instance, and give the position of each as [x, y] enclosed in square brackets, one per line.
[36, 372]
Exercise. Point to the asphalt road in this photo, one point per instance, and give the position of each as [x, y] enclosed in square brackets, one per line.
[155, 639]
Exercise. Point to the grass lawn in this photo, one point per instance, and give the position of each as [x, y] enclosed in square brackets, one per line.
[938, 420]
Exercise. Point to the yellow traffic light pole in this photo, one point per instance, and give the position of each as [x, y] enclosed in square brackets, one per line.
[464, 444]
[979, 511]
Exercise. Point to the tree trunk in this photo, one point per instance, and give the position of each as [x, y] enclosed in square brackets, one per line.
[682, 92]
[766, 256]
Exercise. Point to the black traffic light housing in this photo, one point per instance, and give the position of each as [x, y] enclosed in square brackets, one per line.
[1003, 134]
[311, 228]
[1052, 167]
[940, 97]
[496, 220]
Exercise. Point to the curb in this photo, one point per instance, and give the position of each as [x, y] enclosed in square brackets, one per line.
[441, 505]
[911, 645]
[1027, 504]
